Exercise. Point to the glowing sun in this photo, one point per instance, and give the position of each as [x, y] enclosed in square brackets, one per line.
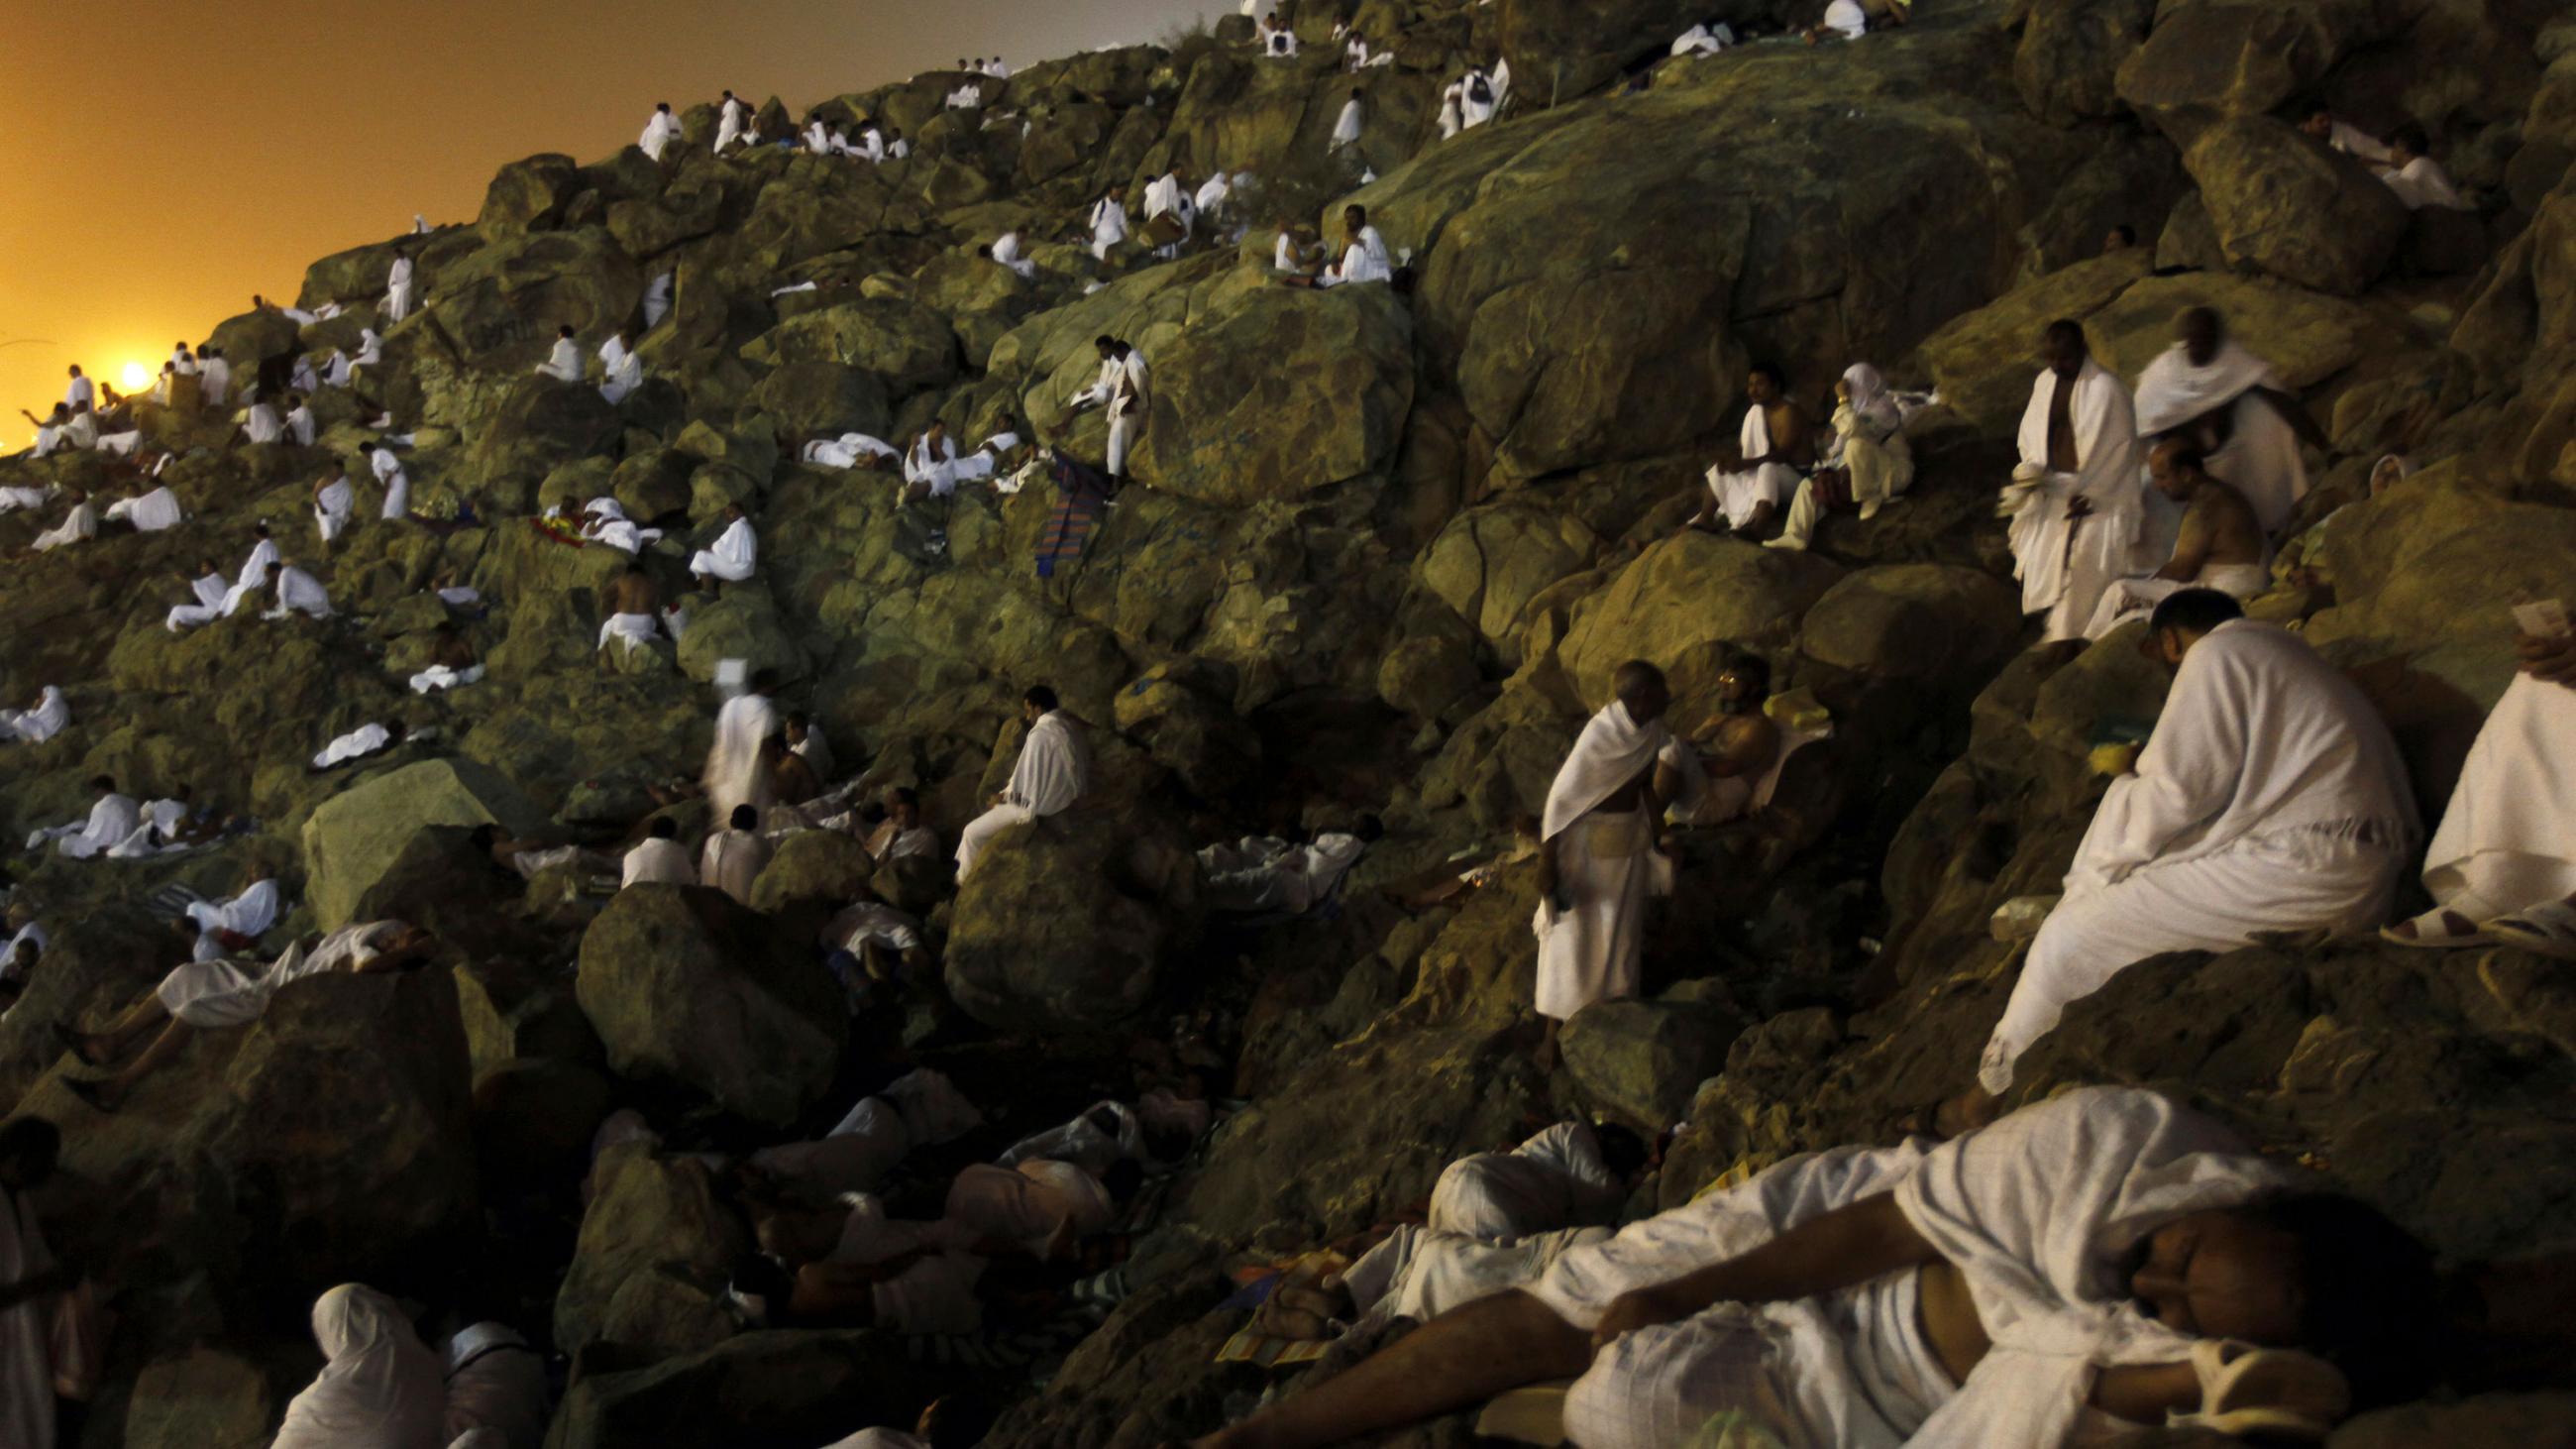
[135, 378]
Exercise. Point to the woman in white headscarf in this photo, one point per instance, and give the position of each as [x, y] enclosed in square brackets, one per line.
[381, 1389]
[1869, 463]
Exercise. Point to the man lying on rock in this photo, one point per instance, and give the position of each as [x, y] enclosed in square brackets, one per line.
[204, 995]
[2102, 1256]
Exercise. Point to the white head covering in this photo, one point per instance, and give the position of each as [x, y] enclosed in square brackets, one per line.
[2405, 468]
[1867, 388]
[381, 1389]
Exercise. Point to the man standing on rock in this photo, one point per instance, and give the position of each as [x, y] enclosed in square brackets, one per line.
[1054, 770]
[2077, 509]
[1108, 222]
[733, 774]
[1595, 860]
[1121, 389]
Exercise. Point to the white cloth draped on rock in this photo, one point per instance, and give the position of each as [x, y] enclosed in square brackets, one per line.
[1703, 40]
[380, 1389]
[732, 775]
[2261, 459]
[440, 676]
[2039, 1212]
[356, 744]
[848, 450]
[731, 557]
[1264, 873]
[150, 512]
[1590, 951]
[2064, 565]
[1420, 1273]
[1742, 492]
[1554, 1180]
[2422, 182]
[2507, 841]
[2137, 598]
[2271, 798]
[51, 715]
[249, 914]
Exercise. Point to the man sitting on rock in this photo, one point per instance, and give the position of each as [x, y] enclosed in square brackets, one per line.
[2076, 506]
[635, 614]
[659, 858]
[1053, 771]
[111, 819]
[205, 995]
[1597, 843]
[299, 592]
[1571, 1175]
[564, 364]
[228, 927]
[2502, 866]
[2415, 176]
[2220, 545]
[2271, 799]
[333, 500]
[901, 833]
[1774, 449]
[733, 857]
[732, 556]
[451, 661]
[2208, 391]
[2101, 1256]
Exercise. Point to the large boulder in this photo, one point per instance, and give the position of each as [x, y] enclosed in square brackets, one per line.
[529, 195]
[2284, 204]
[1984, 360]
[2212, 60]
[1685, 604]
[813, 868]
[1283, 393]
[656, 1248]
[353, 842]
[1644, 1060]
[759, 1388]
[2068, 62]
[1912, 621]
[1490, 562]
[906, 345]
[682, 983]
[1067, 922]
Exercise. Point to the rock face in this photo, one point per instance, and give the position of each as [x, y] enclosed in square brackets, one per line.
[682, 983]
[2285, 205]
[354, 840]
[655, 1250]
[1066, 924]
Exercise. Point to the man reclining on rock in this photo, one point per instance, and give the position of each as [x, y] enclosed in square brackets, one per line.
[206, 995]
[2104, 1253]
[1572, 1174]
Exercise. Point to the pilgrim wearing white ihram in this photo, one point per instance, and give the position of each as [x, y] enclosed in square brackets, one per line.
[2271, 798]
[733, 764]
[1053, 770]
[1589, 949]
[2261, 458]
[2065, 564]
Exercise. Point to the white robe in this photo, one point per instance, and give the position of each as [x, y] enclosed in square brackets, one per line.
[1006, 251]
[735, 552]
[1554, 1180]
[398, 291]
[624, 376]
[331, 507]
[657, 301]
[1212, 194]
[1346, 129]
[249, 914]
[816, 752]
[658, 133]
[935, 467]
[1592, 950]
[51, 716]
[397, 483]
[1847, 18]
[2508, 838]
[1108, 226]
[109, 822]
[495, 1383]
[1420, 1273]
[2137, 598]
[1471, 111]
[81, 396]
[2261, 459]
[13, 499]
[380, 1389]
[215, 994]
[356, 744]
[440, 676]
[729, 125]
[564, 363]
[79, 524]
[2422, 182]
[656, 861]
[1025, 1205]
[2064, 566]
[149, 513]
[1743, 491]
[732, 775]
[847, 452]
[1701, 40]
[1053, 770]
[252, 579]
[731, 860]
[263, 425]
[2040, 1212]
[1363, 260]
[299, 424]
[300, 593]
[2271, 798]
[216, 382]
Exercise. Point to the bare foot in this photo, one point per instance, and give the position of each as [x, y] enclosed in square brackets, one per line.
[1965, 1113]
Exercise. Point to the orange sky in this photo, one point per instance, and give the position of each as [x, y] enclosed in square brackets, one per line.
[160, 162]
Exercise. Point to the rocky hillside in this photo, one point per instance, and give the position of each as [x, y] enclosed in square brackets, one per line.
[1389, 545]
